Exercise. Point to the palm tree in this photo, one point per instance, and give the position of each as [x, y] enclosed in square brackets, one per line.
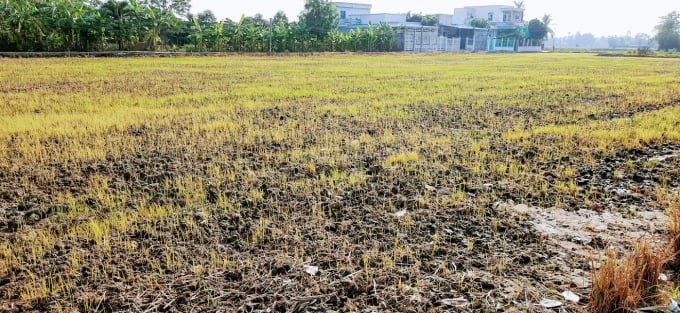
[547, 18]
[519, 4]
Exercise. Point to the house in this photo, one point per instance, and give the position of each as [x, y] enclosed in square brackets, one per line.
[508, 27]
[412, 36]
[462, 38]
[499, 16]
[454, 32]
[347, 9]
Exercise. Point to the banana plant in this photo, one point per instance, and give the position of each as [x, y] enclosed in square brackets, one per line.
[118, 16]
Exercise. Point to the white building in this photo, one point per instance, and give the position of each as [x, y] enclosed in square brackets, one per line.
[419, 38]
[506, 21]
[497, 15]
[347, 9]
[445, 19]
[413, 36]
[453, 32]
[391, 19]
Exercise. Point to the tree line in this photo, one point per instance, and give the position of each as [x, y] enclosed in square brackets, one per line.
[95, 25]
[91, 25]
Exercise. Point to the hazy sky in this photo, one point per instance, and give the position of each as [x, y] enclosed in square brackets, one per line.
[600, 17]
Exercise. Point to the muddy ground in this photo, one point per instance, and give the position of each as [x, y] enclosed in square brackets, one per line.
[505, 250]
[183, 219]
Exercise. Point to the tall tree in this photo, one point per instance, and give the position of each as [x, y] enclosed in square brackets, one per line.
[320, 17]
[668, 32]
[206, 18]
[179, 8]
[519, 4]
[118, 18]
[537, 30]
[280, 17]
[547, 19]
[163, 17]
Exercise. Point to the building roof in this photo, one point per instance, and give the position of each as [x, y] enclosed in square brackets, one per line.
[504, 7]
[361, 5]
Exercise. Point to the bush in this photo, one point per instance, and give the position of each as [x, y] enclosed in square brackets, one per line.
[190, 48]
[644, 51]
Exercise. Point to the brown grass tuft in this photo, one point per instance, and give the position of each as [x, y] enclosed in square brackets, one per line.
[674, 214]
[620, 287]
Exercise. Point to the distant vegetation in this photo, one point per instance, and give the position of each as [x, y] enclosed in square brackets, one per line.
[81, 25]
[480, 23]
[668, 32]
[666, 37]
[167, 25]
[426, 20]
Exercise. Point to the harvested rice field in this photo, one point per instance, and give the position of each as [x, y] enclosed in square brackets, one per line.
[332, 183]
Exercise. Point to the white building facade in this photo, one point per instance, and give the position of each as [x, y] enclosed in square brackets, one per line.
[453, 32]
[347, 9]
[497, 15]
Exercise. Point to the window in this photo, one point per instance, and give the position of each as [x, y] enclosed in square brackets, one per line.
[343, 14]
[506, 17]
[490, 17]
[517, 16]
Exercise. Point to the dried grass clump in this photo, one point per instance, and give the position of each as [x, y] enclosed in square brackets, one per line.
[674, 214]
[623, 286]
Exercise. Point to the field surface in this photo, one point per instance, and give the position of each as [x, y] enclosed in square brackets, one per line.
[393, 183]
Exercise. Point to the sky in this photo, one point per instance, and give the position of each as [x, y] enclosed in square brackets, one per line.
[599, 17]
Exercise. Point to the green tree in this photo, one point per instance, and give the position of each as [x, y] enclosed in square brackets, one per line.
[414, 17]
[197, 36]
[537, 30]
[320, 17]
[21, 25]
[206, 18]
[162, 17]
[119, 22]
[547, 19]
[430, 20]
[281, 35]
[279, 17]
[386, 37]
[668, 32]
[480, 23]
[175, 7]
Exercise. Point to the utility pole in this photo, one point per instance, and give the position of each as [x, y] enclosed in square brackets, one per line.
[271, 33]
[553, 38]
[553, 43]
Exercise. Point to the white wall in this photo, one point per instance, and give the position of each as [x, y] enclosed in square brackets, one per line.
[445, 19]
[375, 19]
[463, 15]
[449, 44]
[352, 8]
[421, 39]
[529, 49]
